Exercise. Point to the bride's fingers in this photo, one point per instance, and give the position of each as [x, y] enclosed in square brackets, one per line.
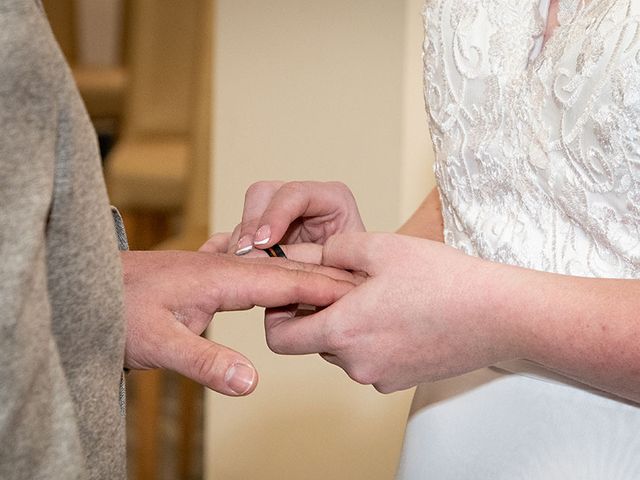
[217, 243]
[256, 200]
[233, 241]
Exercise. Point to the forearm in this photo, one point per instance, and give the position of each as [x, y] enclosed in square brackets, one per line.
[584, 328]
[426, 221]
[587, 329]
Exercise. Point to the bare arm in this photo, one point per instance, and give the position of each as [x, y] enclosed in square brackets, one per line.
[587, 329]
[426, 221]
[452, 313]
[584, 328]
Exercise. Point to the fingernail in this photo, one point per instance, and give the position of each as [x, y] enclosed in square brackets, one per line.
[263, 235]
[244, 245]
[239, 378]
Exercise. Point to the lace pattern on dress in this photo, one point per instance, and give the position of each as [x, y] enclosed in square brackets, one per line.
[538, 156]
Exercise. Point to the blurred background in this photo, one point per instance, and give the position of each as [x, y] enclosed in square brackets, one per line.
[193, 100]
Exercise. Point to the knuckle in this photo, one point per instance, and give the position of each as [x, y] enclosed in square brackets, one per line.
[298, 282]
[205, 362]
[212, 295]
[275, 343]
[363, 375]
[334, 341]
[337, 185]
[349, 204]
[339, 338]
[295, 188]
[384, 388]
[326, 296]
[342, 189]
[313, 287]
[258, 187]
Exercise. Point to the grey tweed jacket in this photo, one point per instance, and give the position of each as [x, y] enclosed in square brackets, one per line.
[61, 326]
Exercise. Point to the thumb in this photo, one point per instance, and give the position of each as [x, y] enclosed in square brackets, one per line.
[350, 251]
[218, 243]
[210, 364]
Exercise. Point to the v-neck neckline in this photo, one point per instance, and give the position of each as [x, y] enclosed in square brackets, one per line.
[555, 18]
[567, 14]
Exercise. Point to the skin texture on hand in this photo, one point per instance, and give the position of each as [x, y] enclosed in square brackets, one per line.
[422, 311]
[405, 324]
[294, 212]
[171, 297]
[426, 312]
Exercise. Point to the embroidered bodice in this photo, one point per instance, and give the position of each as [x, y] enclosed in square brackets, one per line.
[538, 147]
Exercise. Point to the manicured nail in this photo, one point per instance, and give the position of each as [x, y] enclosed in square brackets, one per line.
[239, 378]
[244, 245]
[263, 235]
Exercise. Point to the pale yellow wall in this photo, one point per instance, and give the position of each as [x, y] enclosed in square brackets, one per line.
[417, 152]
[312, 90]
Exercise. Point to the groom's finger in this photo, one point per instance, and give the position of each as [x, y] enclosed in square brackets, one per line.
[240, 284]
[299, 252]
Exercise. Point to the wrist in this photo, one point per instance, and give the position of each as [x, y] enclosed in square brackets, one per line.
[505, 303]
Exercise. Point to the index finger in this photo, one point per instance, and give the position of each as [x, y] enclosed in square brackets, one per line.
[293, 200]
[289, 264]
[325, 202]
[256, 199]
[268, 284]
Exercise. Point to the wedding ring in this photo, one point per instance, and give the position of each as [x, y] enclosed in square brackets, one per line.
[275, 251]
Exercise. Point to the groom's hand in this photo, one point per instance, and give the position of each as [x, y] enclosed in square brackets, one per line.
[171, 297]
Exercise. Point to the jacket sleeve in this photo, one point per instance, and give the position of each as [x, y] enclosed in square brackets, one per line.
[121, 234]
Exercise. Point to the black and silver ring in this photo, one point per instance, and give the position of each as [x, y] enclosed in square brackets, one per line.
[275, 251]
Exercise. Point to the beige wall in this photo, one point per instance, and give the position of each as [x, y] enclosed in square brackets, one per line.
[313, 90]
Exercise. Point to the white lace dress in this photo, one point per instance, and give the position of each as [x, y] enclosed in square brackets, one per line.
[538, 165]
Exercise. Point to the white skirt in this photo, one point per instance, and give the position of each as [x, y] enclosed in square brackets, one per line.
[496, 425]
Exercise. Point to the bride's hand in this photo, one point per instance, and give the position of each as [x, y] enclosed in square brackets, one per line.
[423, 313]
[294, 212]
